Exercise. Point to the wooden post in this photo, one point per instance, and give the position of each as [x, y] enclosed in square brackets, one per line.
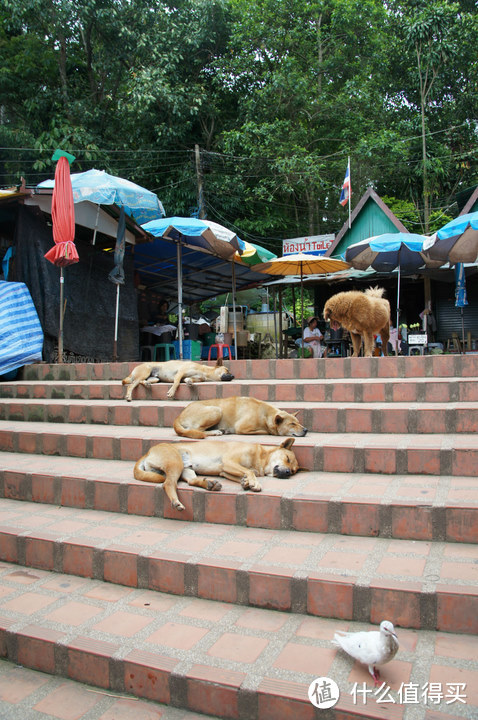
[202, 212]
[281, 336]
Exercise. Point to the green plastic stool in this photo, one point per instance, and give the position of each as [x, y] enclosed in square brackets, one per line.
[164, 349]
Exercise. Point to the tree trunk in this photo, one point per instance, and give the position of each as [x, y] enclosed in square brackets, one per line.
[62, 69]
[426, 192]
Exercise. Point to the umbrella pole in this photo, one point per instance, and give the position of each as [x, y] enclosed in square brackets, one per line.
[115, 343]
[96, 224]
[463, 332]
[281, 337]
[60, 333]
[234, 306]
[180, 300]
[398, 307]
[302, 300]
[275, 322]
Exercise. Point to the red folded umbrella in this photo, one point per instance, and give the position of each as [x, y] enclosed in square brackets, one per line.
[64, 251]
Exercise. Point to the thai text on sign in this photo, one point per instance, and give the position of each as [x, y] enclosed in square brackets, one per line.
[316, 244]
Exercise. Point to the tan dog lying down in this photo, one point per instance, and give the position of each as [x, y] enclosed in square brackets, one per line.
[174, 371]
[363, 314]
[239, 461]
[241, 415]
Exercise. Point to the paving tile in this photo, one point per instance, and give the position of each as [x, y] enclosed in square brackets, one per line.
[74, 614]
[455, 646]
[393, 674]
[179, 637]
[205, 610]
[123, 624]
[409, 567]
[15, 686]
[262, 620]
[320, 629]
[343, 560]
[27, 603]
[460, 571]
[239, 648]
[448, 676]
[128, 709]
[67, 702]
[305, 659]
[24, 576]
[153, 601]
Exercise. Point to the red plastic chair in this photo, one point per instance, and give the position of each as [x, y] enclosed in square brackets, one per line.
[220, 350]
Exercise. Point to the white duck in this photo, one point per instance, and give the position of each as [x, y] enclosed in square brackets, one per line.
[370, 648]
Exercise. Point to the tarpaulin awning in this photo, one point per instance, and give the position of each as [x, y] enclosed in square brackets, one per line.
[21, 335]
[203, 275]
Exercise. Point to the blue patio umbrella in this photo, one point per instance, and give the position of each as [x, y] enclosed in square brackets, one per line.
[204, 235]
[460, 295]
[97, 186]
[457, 241]
[197, 233]
[385, 253]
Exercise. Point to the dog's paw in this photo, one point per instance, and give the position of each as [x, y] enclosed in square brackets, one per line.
[215, 432]
[128, 399]
[178, 506]
[255, 487]
[189, 381]
[251, 484]
[214, 485]
[170, 394]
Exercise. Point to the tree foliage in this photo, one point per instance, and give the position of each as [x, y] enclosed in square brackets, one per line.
[277, 94]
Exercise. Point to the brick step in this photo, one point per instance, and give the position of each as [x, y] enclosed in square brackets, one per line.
[428, 366]
[420, 585]
[402, 506]
[210, 657]
[28, 694]
[375, 417]
[430, 454]
[359, 390]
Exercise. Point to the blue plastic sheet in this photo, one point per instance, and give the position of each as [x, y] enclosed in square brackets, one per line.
[21, 335]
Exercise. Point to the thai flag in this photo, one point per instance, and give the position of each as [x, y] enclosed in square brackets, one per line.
[346, 188]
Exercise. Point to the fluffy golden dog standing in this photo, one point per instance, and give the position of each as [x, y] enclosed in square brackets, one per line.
[174, 371]
[169, 462]
[241, 415]
[363, 314]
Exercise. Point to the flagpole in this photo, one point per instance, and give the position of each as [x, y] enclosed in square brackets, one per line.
[350, 193]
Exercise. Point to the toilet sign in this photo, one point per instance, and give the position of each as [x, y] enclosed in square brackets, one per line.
[313, 244]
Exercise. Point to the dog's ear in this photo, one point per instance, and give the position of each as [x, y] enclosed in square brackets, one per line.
[219, 362]
[287, 444]
[296, 413]
[278, 420]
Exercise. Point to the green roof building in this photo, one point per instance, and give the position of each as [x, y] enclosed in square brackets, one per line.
[370, 217]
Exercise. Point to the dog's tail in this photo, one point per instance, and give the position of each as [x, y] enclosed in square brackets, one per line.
[375, 292]
[127, 380]
[188, 432]
[154, 475]
[160, 461]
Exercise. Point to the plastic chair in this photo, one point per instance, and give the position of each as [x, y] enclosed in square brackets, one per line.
[163, 350]
[220, 347]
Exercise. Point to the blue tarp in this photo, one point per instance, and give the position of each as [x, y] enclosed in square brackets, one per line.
[21, 335]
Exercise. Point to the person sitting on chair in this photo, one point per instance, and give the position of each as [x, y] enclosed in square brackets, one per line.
[312, 338]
